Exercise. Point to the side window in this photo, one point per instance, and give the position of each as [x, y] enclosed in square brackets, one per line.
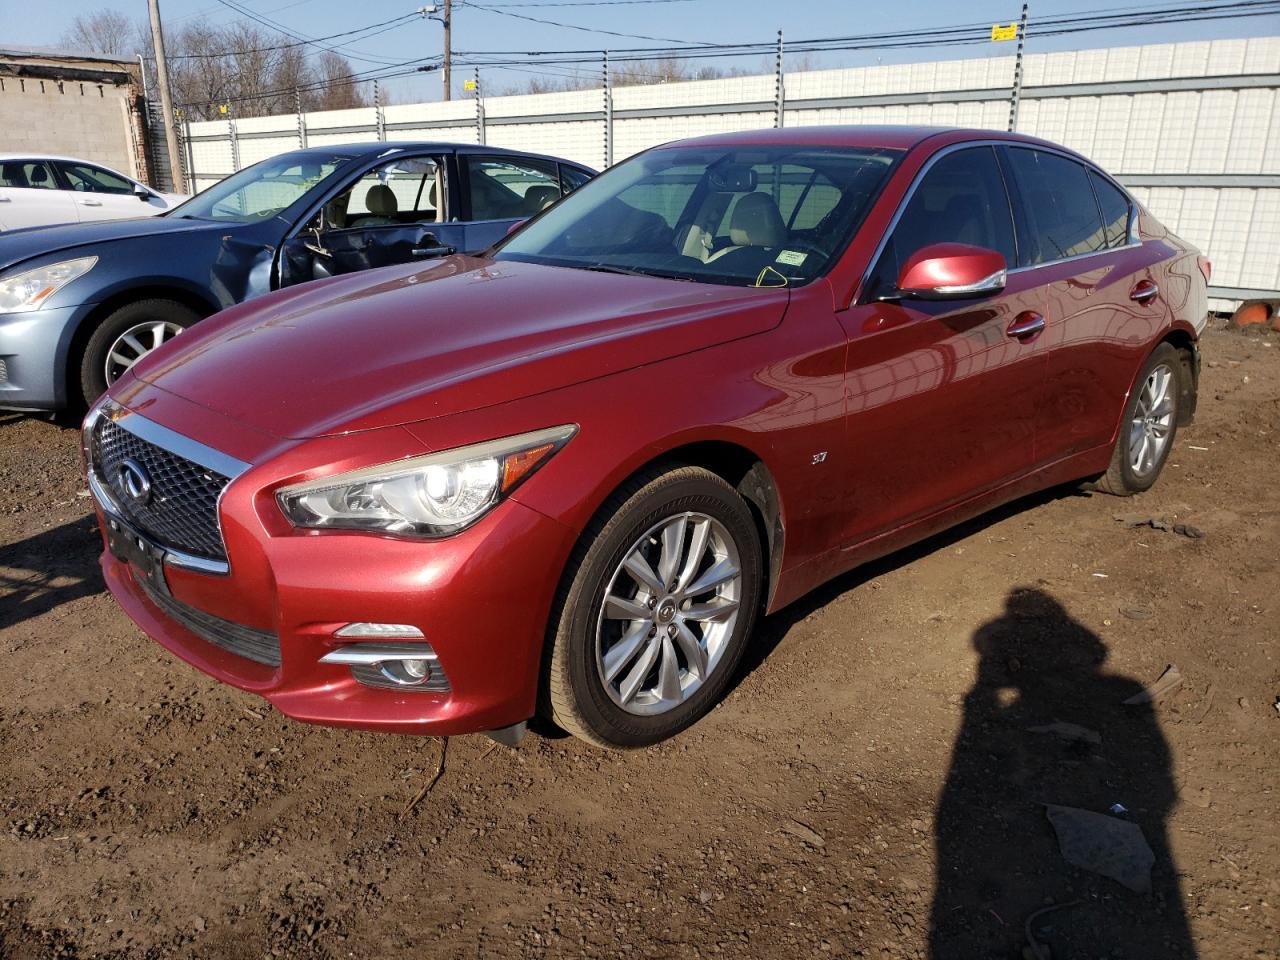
[1059, 208]
[86, 179]
[502, 189]
[961, 199]
[405, 191]
[1115, 211]
[571, 178]
[34, 174]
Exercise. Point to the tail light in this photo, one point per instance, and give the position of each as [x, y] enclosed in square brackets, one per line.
[1205, 267]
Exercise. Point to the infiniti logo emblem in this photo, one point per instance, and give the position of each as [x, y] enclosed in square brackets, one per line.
[135, 482]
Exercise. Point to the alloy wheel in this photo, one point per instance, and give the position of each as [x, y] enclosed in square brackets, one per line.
[135, 343]
[668, 613]
[1152, 423]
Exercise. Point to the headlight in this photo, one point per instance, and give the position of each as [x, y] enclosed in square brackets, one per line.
[29, 289]
[430, 496]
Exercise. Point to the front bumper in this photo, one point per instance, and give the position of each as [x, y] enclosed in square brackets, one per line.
[480, 598]
[33, 352]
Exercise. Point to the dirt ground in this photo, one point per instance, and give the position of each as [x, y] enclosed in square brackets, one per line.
[870, 787]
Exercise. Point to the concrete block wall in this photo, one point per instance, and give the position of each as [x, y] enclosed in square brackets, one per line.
[86, 120]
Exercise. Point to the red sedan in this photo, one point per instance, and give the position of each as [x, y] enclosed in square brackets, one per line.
[564, 478]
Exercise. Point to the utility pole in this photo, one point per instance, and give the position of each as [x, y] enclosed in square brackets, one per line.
[166, 101]
[448, 52]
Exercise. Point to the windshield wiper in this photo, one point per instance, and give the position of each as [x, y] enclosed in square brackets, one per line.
[634, 272]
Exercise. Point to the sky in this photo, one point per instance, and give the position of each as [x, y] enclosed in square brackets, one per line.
[711, 21]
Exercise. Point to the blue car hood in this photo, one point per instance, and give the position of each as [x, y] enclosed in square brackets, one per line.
[19, 245]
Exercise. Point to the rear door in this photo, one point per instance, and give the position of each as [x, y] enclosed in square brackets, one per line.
[29, 196]
[1077, 239]
[942, 398]
[397, 212]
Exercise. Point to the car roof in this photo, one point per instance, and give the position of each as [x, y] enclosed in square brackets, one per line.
[848, 135]
[377, 148]
[34, 155]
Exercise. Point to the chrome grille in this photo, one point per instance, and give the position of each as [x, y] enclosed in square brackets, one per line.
[182, 510]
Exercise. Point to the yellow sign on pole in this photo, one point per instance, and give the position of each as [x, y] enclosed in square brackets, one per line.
[1000, 32]
[469, 85]
[222, 108]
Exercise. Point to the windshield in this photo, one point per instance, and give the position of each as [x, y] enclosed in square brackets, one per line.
[765, 216]
[261, 191]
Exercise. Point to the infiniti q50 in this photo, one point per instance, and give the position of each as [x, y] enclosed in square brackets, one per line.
[566, 477]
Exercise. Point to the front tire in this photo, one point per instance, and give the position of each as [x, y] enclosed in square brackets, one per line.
[1149, 426]
[654, 611]
[125, 337]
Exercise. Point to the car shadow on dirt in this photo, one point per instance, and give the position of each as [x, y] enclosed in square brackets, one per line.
[48, 569]
[771, 631]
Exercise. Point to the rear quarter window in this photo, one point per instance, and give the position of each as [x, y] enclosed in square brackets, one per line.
[1116, 211]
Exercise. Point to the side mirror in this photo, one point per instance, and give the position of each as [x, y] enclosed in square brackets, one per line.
[141, 192]
[952, 271]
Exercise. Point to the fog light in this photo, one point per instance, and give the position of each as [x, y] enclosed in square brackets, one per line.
[402, 666]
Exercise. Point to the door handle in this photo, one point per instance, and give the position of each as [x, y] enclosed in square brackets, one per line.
[1144, 292]
[431, 251]
[92, 203]
[1026, 326]
[6, 199]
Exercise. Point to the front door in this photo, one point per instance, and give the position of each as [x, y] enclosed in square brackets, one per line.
[397, 212]
[942, 394]
[103, 195]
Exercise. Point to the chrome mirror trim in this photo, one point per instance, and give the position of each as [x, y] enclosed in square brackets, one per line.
[987, 285]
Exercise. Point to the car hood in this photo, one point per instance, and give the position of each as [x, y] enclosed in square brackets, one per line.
[406, 344]
[19, 245]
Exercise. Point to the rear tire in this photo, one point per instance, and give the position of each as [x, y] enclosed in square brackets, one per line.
[633, 659]
[1148, 427]
[127, 335]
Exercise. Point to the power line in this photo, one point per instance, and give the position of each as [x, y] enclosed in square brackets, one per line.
[955, 35]
[386, 24]
[942, 36]
[274, 25]
[572, 26]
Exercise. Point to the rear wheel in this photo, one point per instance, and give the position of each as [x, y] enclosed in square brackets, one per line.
[655, 612]
[125, 337]
[1149, 426]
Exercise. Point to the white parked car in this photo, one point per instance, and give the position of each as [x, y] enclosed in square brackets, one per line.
[36, 191]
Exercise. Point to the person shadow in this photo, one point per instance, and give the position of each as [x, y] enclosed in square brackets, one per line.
[1001, 877]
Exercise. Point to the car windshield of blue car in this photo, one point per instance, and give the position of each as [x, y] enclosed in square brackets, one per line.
[261, 191]
[771, 215]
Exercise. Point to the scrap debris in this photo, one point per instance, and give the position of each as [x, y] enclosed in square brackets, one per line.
[1133, 521]
[1167, 682]
[430, 784]
[1102, 844]
[804, 833]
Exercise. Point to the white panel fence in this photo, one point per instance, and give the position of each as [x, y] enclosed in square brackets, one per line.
[1193, 129]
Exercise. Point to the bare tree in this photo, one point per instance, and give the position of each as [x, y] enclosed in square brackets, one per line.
[107, 32]
[335, 89]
